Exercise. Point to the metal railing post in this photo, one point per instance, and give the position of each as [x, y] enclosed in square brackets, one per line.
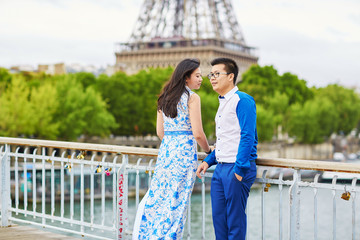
[294, 193]
[122, 198]
[5, 188]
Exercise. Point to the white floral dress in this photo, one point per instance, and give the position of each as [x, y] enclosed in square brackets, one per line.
[164, 206]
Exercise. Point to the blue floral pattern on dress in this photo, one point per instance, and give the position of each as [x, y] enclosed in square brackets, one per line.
[164, 214]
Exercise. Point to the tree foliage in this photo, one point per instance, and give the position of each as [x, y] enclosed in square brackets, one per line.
[67, 106]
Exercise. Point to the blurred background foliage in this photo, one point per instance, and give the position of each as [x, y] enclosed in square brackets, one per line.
[67, 106]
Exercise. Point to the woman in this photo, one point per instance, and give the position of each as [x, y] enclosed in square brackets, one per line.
[162, 212]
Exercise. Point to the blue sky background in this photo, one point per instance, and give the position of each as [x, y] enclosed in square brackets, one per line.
[318, 40]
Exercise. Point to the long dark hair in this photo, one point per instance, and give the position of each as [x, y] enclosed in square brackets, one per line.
[173, 89]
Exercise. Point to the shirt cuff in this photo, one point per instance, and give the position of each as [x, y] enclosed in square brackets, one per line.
[211, 159]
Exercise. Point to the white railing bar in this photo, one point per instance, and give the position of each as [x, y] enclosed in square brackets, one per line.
[203, 207]
[149, 169]
[5, 187]
[74, 161]
[2, 156]
[82, 196]
[66, 220]
[121, 191]
[25, 181]
[60, 229]
[16, 181]
[62, 197]
[126, 194]
[71, 166]
[303, 184]
[114, 193]
[128, 168]
[353, 207]
[280, 206]
[43, 187]
[334, 206]
[270, 162]
[34, 193]
[309, 165]
[137, 183]
[263, 206]
[52, 184]
[315, 207]
[294, 193]
[92, 190]
[80, 146]
[102, 192]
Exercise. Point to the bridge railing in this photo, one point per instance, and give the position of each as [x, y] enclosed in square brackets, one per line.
[83, 189]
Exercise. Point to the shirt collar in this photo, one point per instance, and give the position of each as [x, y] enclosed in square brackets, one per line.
[229, 94]
[187, 88]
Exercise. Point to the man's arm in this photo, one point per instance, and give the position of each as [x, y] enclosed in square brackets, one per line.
[246, 113]
[211, 159]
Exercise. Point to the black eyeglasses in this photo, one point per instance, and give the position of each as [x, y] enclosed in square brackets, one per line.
[216, 75]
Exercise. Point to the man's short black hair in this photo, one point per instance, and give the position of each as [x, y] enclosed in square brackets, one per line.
[230, 66]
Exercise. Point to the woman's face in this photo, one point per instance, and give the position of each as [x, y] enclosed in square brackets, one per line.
[195, 80]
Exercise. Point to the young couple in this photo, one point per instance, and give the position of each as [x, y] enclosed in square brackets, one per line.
[162, 212]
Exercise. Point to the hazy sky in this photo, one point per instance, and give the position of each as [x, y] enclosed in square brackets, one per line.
[318, 40]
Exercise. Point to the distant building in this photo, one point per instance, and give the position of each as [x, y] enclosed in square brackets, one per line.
[52, 69]
[76, 67]
[21, 68]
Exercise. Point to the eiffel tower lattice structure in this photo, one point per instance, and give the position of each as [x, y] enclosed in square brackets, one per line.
[168, 31]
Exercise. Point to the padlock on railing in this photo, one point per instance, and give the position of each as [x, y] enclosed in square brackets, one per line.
[107, 171]
[266, 188]
[346, 195]
[98, 169]
[81, 155]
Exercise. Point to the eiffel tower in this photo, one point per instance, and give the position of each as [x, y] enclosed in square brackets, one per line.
[168, 31]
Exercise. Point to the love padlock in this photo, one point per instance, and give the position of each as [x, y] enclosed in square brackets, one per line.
[346, 196]
[98, 169]
[266, 188]
[107, 171]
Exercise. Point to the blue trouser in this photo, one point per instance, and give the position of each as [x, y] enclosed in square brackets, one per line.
[228, 200]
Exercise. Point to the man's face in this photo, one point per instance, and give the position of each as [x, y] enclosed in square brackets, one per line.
[224, 82]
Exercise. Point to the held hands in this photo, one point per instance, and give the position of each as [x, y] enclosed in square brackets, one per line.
[202, 169]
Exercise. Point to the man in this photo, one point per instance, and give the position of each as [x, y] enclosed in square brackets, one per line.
[235, 152]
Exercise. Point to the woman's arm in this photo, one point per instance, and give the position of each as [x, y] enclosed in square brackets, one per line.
[196, 123]
[160, 125]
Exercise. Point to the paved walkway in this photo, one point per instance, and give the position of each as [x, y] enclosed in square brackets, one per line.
[19, 232]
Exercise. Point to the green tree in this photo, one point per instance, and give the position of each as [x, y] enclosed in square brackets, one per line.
[277, 106]
[120, 93]
[85, 78]
[81, 111]
[294, 88]
[5, 79]
[16, 111]
[263, 81]
[45, 103]
[265, 123]
[133, 99]
[312, 122]
[260, 82]
[347, 106]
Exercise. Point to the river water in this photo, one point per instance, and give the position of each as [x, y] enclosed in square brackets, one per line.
[271, 228]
